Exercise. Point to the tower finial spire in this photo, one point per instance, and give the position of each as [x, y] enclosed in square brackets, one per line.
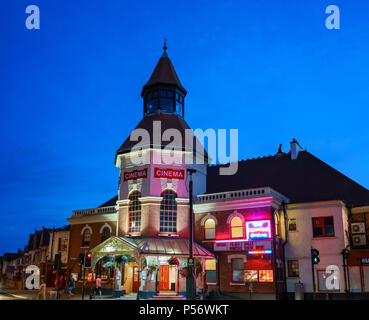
[165, 44]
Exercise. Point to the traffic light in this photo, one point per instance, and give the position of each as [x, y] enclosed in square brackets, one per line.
[57, 261]
[81, 259]
[88, 259]
[315, 256]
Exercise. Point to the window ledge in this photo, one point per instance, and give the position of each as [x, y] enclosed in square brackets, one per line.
[237, 284]
[323, 238]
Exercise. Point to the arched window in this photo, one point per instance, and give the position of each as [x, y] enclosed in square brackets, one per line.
[86, 238]
[134, 222]
[209, 229]
[236, 227]
[168, 212]
[277, 225]
[105, 234]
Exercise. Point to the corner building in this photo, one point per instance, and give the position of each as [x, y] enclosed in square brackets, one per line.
[254, 230]
[148, 222]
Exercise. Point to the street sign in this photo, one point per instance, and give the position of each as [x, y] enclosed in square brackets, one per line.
[190, 262]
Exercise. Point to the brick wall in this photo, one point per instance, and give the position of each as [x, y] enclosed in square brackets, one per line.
[75, 245]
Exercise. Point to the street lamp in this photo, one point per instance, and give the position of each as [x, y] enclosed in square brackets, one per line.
[345, 254]
[190, 280]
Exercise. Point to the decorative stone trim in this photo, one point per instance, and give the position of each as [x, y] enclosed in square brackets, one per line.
[208, 216]
[236, 256]
[150, 200]
[104, 226]
[235, 214]
[86, 227]
[134, 185]
[183, 201]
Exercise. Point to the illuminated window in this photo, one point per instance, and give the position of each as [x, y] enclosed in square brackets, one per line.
[105, 234]
[251, 275]
[236, 228]
[134, 223]
[323, 227]
[293, 268]
[210, 229]
[86, 238]
[292, 225]
[210, 270]
[265, 275]
[277, 225]
[168, 212]
[238, 270]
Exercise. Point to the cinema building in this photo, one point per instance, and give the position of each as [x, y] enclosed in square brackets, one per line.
[253, 230]
[140, 239]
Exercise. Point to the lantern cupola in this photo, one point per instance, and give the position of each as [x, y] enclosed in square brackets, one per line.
[164, 93]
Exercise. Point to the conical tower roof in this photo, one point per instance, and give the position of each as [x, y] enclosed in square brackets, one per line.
[164, 73]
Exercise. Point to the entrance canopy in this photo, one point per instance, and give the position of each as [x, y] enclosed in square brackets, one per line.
[147, 246]
[170, 246]
[114, 246]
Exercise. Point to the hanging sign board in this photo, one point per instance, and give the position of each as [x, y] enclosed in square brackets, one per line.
[169, 173]
[135, 174]
[258, 229]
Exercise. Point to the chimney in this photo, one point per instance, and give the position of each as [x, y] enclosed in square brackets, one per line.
[295, 149]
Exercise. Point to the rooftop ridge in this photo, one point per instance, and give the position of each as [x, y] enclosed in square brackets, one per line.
[247, 159]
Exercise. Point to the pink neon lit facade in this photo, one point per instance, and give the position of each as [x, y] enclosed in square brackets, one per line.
[259, 229]
[254, 258]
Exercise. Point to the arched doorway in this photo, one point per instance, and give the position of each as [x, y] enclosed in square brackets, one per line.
[115, 260]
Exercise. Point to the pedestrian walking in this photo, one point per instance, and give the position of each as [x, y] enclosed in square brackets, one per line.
[42, 292]
[70, 286]
[98, 285]
[61, 280]
[59, 287]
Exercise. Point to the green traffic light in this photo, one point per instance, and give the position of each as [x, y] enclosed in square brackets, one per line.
[315, 256]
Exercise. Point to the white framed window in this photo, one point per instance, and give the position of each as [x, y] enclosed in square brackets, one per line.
[209, 229]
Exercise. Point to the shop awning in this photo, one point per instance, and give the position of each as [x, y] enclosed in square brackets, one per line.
[170, 246]
[148, 245]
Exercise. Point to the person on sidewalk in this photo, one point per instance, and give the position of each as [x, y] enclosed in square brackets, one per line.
[59, 287]
[98, 285]
[70, 286]
[42, 292]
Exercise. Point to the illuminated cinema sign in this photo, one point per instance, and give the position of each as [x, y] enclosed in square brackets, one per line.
[258, 229]
[136, 174]
[169, 173]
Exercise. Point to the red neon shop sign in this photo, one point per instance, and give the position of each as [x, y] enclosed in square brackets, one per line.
[258, 229]
[136, 174]
[169, 173]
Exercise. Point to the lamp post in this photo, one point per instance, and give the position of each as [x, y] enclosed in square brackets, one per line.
[345, 254]
[190, 280]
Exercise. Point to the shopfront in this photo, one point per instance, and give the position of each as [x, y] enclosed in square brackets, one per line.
[151, 266]
[358, 271]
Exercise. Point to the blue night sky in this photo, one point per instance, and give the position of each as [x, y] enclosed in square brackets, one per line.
[70, 92]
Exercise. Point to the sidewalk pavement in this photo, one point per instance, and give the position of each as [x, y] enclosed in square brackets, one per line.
[32, 295]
